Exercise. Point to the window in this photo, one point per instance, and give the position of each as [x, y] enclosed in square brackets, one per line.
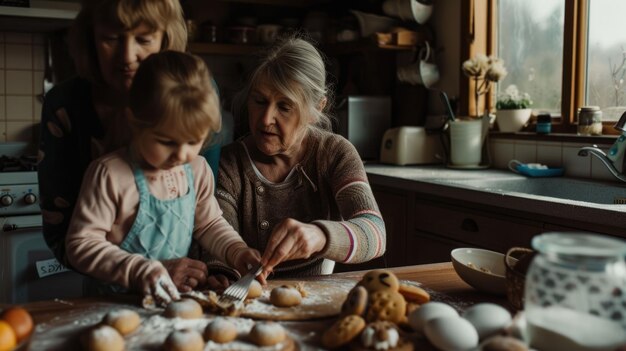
[565, 54]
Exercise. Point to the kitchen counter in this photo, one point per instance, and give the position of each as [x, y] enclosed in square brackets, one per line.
[441, 182]
[439, 279]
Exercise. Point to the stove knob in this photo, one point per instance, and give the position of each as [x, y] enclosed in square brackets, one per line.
[30, 198]
[6, 200]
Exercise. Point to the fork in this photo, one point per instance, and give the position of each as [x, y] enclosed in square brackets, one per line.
[239, 290]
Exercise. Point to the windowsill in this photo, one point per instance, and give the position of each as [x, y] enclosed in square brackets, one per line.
[558, 137]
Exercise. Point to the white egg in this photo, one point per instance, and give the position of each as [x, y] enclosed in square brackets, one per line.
[428, 311]
[487, 318]
[451, 333]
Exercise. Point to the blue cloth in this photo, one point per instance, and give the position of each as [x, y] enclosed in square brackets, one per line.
[163, 228]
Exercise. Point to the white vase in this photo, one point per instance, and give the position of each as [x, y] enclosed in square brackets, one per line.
[512, 120]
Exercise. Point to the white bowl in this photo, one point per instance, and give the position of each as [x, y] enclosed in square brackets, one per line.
[482, 269]
[512, 120]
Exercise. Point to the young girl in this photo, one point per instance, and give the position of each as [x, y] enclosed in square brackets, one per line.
[142, 204]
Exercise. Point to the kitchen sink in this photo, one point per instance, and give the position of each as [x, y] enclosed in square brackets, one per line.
[557, 187]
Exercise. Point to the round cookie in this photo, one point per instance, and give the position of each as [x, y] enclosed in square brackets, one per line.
[284, 296]
[221, 331]
[343, 331]
[103, 338]
[414, 294]
[255, 290]
[184, 308]
[356, 302]
[380, 279]
[124, 320]
[386, 305]
[267, 333]
[184, 340]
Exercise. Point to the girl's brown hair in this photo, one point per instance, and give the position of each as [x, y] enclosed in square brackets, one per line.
[174, 88]
[166, 15]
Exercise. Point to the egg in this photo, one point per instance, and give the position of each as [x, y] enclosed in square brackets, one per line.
[487, 318]
[451, 333]
[20, 320]
[428, 311]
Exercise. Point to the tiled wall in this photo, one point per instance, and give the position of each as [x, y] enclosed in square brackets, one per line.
[552, 154]
[21, 82]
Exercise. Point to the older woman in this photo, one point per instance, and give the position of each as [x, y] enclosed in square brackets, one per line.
[86, 116]
[292, 188]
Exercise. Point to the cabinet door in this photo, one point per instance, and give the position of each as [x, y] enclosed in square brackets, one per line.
[422, 248]
[393, 207]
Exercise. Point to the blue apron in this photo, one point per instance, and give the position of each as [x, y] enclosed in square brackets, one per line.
[163, 229]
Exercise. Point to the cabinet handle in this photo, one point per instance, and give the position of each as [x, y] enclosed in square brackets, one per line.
[469, 225]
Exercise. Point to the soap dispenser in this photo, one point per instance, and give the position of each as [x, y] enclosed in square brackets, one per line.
[616, 152]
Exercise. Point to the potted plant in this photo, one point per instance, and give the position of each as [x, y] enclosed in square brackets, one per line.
[512, 109]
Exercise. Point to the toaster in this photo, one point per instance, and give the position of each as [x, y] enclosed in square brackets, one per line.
[410, 145]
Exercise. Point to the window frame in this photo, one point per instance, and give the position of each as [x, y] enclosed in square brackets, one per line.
[479, 35]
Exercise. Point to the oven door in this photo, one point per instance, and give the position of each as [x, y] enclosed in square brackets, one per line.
[28, 269]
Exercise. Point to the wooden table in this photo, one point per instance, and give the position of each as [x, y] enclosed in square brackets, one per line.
[440, 279]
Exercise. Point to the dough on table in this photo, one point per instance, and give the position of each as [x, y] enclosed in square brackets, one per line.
[221, 331]
[255, 290]
[184, 308]
[285, 296]
[267, 333]
[103, 338]
[124, 320]
[184, 340]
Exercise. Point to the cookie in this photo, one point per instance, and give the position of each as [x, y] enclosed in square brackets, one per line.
[124, 320]
[386, 305]
[255, 290]
[343, 331]
[221, 331]
[414, 294]
[380, 279]
[267, 333]
[184, 340]
[284, 296]
[103, 338]
[382, 336]
[356, 302]
[183, 308]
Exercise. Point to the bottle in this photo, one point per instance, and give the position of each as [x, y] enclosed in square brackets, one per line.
[589, 120]
[544, 123]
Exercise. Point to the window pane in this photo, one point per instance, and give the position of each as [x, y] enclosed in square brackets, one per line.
[530, 41]
[606, 58]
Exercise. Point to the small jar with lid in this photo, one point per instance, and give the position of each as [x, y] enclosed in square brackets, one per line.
[544, 123]
[589, 120]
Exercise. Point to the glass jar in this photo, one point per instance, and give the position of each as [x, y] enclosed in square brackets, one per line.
[589, 120]
[544, 123]
[575, 295]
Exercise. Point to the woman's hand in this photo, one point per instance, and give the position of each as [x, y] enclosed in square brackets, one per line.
[186, 273]
[245, 259]
[291, 240]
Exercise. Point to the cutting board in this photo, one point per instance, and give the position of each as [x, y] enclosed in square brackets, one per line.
[324, 299]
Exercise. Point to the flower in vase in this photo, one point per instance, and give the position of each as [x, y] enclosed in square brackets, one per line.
[483, 71]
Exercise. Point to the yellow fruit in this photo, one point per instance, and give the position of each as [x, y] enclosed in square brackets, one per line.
[7, 337]
[20, 320]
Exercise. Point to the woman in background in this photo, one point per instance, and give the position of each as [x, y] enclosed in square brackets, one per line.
[87, 116]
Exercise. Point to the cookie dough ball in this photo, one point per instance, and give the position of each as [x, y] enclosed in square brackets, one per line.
[184, 308]
[124, 320]
[103, 338]
[284, 296]
[184, 340]
[255, 290]
[267, 333]
[343, 331]
[221, 331]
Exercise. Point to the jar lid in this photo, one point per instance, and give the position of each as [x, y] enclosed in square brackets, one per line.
[579, 243]
[544, 118]
[590, 108]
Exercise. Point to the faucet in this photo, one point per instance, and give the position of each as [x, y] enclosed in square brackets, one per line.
[616, 153]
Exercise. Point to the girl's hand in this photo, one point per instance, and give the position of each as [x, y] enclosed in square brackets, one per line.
[290, 240]
[159, 285]
[186, 273]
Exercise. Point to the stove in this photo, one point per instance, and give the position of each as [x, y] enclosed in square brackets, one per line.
[28, 269]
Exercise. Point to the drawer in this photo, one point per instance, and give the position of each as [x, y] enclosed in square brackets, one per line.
[478, 228]
[423, 248]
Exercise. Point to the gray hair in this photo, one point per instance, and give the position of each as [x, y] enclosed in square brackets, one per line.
[295, 68]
